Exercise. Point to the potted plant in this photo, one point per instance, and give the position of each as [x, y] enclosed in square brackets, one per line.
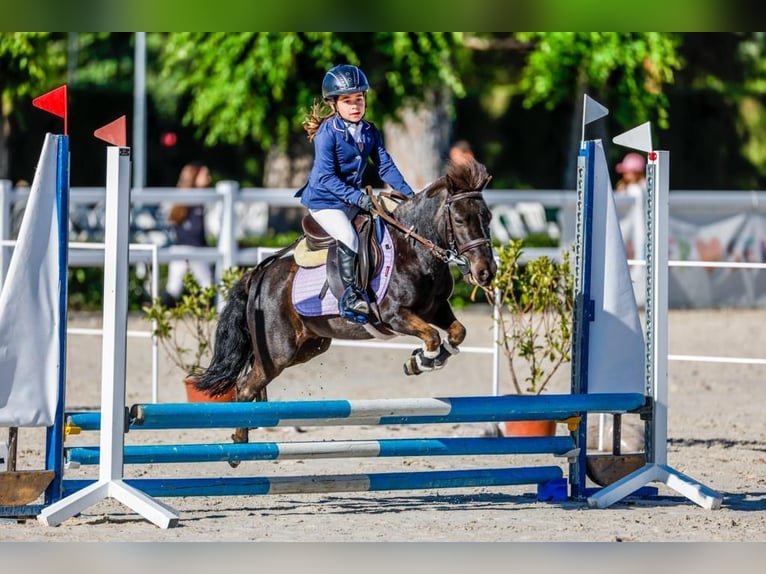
[186, 330]
[535, 309]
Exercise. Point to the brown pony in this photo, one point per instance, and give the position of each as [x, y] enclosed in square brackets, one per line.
[260, 333]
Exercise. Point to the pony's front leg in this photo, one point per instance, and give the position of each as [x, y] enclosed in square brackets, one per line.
[422, 359]
[455, 336]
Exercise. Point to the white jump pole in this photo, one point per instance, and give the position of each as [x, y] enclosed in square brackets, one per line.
[656, 468]
[112, 440]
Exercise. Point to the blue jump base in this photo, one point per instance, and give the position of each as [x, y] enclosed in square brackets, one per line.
[552, 485]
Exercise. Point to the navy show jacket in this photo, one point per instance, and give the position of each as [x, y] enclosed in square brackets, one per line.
[335, 180]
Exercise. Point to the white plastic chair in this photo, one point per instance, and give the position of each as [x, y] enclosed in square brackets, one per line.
[507, 224]
[533, 214]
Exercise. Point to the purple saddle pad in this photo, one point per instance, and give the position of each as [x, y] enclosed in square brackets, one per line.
[309, 281]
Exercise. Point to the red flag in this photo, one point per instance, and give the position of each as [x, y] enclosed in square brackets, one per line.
[54, 102]
[113, 133]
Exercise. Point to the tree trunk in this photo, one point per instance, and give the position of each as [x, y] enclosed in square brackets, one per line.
[287, 170]
[4, 132]
[419, 143]
[291, 168]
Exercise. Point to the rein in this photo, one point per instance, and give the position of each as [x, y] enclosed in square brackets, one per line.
[439, 252]
[451, 255]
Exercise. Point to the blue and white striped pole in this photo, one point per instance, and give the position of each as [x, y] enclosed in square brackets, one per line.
[250, 486]
[366, 412]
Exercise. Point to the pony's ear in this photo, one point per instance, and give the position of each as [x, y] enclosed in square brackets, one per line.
[485, 183]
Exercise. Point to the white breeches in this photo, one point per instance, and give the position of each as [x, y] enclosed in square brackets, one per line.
[338, 224]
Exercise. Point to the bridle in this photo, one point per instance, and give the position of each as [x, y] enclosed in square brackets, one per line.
[479, 241]
[454, 252]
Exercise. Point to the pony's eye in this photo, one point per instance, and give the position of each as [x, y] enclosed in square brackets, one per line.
[459, 221]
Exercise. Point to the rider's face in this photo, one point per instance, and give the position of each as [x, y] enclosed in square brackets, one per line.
[351, 107]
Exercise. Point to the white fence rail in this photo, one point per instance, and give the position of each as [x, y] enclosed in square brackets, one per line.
[228, 204]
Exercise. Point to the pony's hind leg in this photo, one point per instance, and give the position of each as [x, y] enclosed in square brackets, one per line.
[249, 388]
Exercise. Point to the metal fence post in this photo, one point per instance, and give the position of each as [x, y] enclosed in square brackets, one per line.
[6, 224]
[227, 238]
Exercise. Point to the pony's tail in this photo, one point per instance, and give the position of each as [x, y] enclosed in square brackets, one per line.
[233, 350]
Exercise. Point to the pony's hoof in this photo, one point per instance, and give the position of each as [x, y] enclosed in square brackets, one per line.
[410, 368]
[240, 436]
[445, 352]
[418, 363]
[234, 463]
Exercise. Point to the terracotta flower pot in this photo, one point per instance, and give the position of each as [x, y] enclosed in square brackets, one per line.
[528, 428]
[196, 396]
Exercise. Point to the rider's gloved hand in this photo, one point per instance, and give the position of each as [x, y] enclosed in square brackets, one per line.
[365, 203]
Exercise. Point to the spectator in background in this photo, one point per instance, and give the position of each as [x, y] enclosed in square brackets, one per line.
[188, 222]
[459, 151]
[632, 170]
[632, 182]
[19, 207]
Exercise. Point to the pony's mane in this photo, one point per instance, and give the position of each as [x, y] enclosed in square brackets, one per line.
[468, 175]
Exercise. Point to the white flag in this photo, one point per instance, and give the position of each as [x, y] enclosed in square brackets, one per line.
[616, 343]
[593, 110]
[29, 307]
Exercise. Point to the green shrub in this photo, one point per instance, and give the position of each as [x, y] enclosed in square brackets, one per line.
[536, 304]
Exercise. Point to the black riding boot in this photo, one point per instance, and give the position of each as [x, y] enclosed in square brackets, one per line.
[353, 305]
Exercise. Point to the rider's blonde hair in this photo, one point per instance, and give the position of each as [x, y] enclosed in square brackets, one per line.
[320, 111]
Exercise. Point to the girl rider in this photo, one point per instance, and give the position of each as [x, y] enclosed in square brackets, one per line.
[343, 143]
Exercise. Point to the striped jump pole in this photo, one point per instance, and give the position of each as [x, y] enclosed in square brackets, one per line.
[366, 412]
[305, 450]
[550, 481]
[251, 486]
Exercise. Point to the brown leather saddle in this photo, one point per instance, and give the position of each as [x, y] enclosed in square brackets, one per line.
[370, 253]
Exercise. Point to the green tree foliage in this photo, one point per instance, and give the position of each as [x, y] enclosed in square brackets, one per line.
[258, 86]
[102, 59]
[629, 70]
[751, 125]
[29, 62]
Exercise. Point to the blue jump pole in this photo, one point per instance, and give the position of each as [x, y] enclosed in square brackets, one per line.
[172, 487]
[231, 452]
[366, 412]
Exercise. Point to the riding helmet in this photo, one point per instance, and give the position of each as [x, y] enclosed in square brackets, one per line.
[344, 79]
